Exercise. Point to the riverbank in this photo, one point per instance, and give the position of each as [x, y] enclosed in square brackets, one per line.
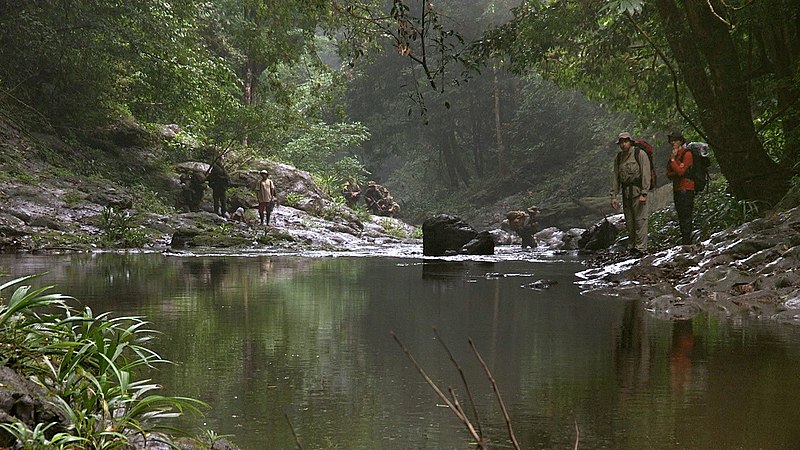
[752, 270]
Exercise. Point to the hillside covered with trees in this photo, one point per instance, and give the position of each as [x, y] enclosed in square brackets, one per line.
[469, 107]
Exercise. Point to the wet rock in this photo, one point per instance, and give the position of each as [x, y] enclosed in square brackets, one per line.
[184, 237]
[602, 234]
[672, 307]
[287, 180]
[170, 132]
[482, 244]
[45, 222]
[445, 234]
[551, 238]
[503, 237]
[12, 226]
[23, 400]
[111, 198]
[540, 285]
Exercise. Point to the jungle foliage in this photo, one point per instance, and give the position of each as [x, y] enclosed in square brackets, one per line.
[726, 72]
[89, 365]
[417, 94]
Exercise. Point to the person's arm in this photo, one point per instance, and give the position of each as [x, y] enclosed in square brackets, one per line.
[615, 184]
[679, 165]
[645, 166]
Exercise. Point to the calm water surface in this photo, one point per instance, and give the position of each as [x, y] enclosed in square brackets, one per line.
[263, 338]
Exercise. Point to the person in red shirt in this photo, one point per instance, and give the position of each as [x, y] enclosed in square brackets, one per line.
[680, 162]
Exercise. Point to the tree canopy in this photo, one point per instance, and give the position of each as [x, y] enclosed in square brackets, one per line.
[726, 71]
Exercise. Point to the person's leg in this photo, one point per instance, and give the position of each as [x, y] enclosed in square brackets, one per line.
[684, 206]
[222, 203]
[630, 222]
[640, 213]
[261, 208]
[269, 208]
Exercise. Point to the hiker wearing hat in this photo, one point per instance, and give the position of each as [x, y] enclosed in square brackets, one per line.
[372, 197]
[351, 192]
[631, 178]
[265, 192]
[678, 167]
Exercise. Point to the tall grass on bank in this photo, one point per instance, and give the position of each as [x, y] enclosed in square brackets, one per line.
[88, 363]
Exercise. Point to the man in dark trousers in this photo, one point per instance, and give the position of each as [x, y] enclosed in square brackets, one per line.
[219, 180]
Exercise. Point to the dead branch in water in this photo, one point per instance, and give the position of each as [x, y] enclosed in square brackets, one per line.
[455, 408]
[463, 380]
[497, 394]
[296, 439]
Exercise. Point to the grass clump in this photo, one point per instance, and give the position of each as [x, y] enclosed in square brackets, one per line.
[88, 363]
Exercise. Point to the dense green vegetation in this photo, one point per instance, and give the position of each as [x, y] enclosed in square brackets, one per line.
[88, 365]
[413, 94]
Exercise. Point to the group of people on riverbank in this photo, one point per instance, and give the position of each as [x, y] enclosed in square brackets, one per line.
[633, 179]
[377, 198]
[217, 178]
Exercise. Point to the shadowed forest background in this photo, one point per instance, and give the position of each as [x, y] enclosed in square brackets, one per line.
[466, 107]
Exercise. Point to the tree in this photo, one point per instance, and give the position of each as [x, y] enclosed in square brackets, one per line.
[729, 71]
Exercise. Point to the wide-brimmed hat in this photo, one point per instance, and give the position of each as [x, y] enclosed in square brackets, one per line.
[675, 136]
[624, 135]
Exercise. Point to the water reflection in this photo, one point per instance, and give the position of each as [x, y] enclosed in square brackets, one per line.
[262, 336]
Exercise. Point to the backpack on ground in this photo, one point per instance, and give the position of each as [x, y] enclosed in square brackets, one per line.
[700, 162]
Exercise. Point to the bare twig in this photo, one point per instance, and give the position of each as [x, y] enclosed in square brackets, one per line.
[296, 439]
[577, 435]
[454, 408]
[497, 394]
[714, 12]
[463, 379]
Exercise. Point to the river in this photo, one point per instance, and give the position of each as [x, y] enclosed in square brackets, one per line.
[269, 340]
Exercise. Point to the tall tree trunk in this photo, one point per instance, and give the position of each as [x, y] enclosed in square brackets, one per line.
[498, 124]
[708, 59]
[477, 138]
[453, 156]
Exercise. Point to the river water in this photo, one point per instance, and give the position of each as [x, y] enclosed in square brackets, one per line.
[273, 340]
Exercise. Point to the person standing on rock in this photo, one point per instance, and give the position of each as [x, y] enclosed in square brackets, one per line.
[680, 162]
[267, 198]
[631, 178]
[218, 181]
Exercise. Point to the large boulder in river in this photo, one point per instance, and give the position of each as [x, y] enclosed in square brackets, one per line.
[444, 234]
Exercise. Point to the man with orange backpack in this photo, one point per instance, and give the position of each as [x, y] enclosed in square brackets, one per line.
[683, 187]
[632, 179]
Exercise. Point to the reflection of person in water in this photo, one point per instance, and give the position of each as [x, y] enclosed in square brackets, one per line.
[216, 272]
[680, 355]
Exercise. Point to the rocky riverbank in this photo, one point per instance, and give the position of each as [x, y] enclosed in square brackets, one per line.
[752, 270]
